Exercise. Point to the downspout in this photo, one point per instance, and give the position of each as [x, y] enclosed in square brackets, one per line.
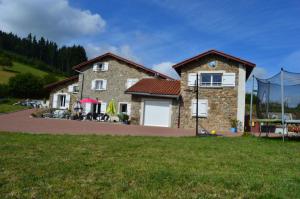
[81, 82]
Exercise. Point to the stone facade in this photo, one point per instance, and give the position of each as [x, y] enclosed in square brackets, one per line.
[64, 89]
[222, 101]
[138, 109]
[117, 74]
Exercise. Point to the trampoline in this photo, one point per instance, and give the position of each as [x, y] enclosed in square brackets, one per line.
[278, 100]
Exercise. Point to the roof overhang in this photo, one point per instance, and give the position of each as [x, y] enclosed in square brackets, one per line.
[153, 95]
[136, 65]
[248, 65]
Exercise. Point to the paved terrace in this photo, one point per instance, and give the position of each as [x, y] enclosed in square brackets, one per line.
[22, 122]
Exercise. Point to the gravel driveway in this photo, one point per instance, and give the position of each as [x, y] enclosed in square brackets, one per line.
[22, 122]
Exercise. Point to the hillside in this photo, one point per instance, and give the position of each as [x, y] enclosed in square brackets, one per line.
[18, 67]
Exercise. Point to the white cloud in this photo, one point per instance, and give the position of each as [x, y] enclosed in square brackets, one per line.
[166, 68]
[122, 50]
[54, 19]
[292, 62]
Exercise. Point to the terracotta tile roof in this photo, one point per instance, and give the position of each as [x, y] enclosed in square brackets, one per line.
[136, 65]
[62, 82]
[151, 86]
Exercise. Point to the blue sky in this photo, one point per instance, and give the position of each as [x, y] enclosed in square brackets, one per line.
[159, 33]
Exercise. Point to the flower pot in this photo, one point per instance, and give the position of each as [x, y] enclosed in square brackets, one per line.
[233, 130]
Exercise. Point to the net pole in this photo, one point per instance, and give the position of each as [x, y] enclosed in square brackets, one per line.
[282, 102]
[268, 99]
[197, 99]
[251, 104]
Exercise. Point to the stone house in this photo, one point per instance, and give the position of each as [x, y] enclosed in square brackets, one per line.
[153, 99]
[103, 78]
[63, 93]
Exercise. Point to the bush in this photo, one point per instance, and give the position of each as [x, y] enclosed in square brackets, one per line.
[5, 61]
[26, 85]
[4, 90]
[49, 78]
[40, 112]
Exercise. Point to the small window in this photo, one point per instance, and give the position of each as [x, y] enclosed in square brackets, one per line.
[131, 82]
[76, 89]
[101, 66]
[99, 84]
[211, 79]
[123, 108]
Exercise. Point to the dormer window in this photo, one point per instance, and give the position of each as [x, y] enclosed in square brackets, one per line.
[100, 66]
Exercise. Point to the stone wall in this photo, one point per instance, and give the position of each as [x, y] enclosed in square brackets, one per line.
[64, 89]
[116, 76]
[222, 102]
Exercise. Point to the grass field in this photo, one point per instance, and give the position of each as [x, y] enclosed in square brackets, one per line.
[65, 166]
[20, 68]
[7, 106]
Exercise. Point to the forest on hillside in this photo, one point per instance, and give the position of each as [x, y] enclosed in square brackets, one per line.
[52, 57]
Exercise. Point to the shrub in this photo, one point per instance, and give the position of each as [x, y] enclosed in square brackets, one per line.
[4, 90]
[26, 85]
[39, 112]
[5, 61]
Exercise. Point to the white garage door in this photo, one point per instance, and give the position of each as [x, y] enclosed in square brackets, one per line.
[157, 113]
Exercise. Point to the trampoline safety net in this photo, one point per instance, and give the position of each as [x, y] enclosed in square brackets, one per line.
[270, 100]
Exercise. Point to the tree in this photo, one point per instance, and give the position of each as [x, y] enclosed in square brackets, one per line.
[26, 85]
[5, 61]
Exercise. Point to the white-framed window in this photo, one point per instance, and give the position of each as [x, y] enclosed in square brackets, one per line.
[74, 88]
[99, 84]
[100, 66]
[131, 82]
[202, 108]
[212, 79]
[125, 107]
[61, 100]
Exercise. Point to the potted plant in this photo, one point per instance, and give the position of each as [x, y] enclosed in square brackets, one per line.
[123, 118]
[234, 124]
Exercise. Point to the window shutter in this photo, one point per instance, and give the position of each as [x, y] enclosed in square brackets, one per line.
[105, 66]
[93, 84]
[192, 79]
[67, 103]
[54, 102]
[103, 107]
[70, 88]
[95, 67]
[104, 84]
[228, 79]
[128, 109]
[202, 108]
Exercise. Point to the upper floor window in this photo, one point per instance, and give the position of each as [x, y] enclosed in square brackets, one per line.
[100, 66]
[211, 79]
[131, 82]
[74, 88]
[99, 84]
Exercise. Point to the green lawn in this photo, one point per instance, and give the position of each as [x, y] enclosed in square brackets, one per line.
[7, 106]
[20, 68]
[65, 166]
